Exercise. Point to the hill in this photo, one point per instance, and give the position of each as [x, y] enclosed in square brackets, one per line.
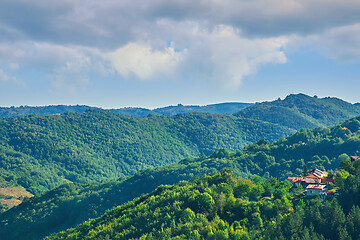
[42, 152]
[221, 108]
[73, 203]
[220, 206]
[44, 110]
[301, 111]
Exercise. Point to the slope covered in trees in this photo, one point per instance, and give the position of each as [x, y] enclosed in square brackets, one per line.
[301, 111]
[71, 204]
[216, 207]
[41, 152]
[219, 206]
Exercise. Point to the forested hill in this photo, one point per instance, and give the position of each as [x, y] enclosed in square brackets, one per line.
[296, 110]
[44, 110]
[219, 206]
[227, 108]
[41, 152]
[221, 108]
[72, 203]
[301, 111]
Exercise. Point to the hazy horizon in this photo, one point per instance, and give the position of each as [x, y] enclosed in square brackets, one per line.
[171, 105]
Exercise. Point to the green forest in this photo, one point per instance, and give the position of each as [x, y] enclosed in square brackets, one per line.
[81, 164]
[220, 206]
[301, 111]
[72, 203]
[41, 152]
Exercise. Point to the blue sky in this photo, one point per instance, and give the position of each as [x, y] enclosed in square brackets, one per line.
[155, 53]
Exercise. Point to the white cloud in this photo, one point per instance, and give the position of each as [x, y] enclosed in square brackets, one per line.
[233, 57]
[340, 43]
[143, 61]
[221, 56]
[66, 67]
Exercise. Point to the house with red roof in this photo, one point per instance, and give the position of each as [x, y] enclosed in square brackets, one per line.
[315, 189]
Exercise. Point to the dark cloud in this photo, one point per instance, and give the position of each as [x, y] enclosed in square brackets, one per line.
[109, 24]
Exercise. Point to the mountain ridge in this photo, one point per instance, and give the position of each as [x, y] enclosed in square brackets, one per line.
[302, 111]
[226, 108]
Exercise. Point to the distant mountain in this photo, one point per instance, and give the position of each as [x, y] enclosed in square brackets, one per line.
[228, 108]
[73, 203]
[295, 111]
[298, 111]
[132, 111]
[44, 110]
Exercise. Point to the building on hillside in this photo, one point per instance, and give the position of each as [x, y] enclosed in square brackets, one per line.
[297, 181]
[315, 177]
[307, 180]
[318, 175]
[315, 189]
[354, 158]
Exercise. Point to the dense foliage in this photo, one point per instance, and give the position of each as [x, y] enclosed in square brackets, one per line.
[333, 219]
[317, 148]
[301, 111]
[219, 206]
[216, 206]
[41, 152]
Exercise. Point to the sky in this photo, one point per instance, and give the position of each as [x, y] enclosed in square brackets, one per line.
[141, 53]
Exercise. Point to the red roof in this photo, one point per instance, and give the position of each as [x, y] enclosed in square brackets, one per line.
[295, 179]
[315, 186]
[314, 176]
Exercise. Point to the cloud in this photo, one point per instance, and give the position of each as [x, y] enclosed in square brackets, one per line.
[340, 43]
[111, 23]
[219, 56]
[213, 41]
[144, 62]
[66, 67]
[232, 56]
